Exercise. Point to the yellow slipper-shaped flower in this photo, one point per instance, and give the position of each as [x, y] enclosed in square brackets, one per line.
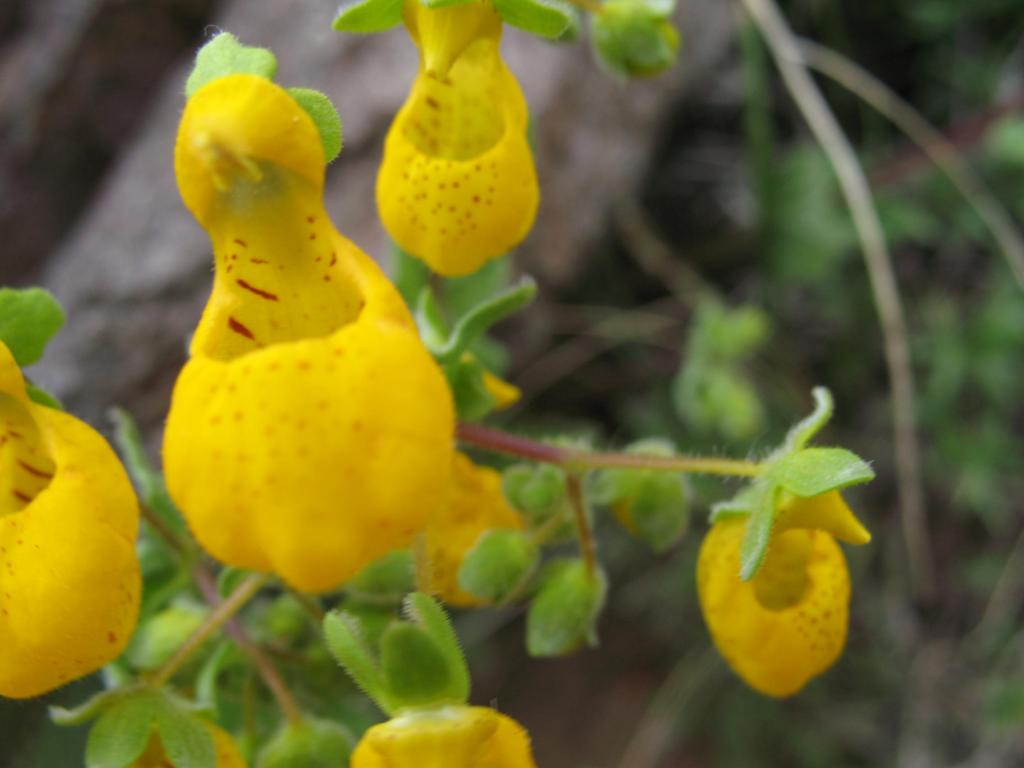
[457, 186]
[448, 737]
[311, 431]
[475, 504]
[228, 755]
[787, 624]
[69, 577]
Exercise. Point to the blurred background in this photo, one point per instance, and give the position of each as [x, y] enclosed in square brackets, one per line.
[699, 274]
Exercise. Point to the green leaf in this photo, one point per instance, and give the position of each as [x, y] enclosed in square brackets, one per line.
[312, 743]
[430, 320]
[88, 710]
[416, 671]
[157, 639]
[121, 733]
[563, 615]
[435, 4]
[545, 18]
[804, 430]
[409, 274]
[324, 116]
[498, 565]
[742, 504]
[187, 742]
[347, 643]
[758, 535]
[535, 489]
[429, 615]
[466, 380]
[365, 17]
[657, 511]
[385, 581]
[475, 323]
[224, 56]
[814, 471]
[29, 318]
[633, 38]
[42, 397]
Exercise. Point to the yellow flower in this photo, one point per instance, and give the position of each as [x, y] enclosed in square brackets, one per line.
[69, 577]
[457, 185]
[228, 755]
[448, 737]
[311, 431]
[475, 504]
[787, 624]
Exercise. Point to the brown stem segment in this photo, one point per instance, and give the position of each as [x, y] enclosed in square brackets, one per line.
[588, 547]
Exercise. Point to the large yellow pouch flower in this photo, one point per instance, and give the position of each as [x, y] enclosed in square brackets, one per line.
[787, 624]
[475, 504]
[69, 577]
[457, 186]
[311, 431]
[448, 737]
[228, 755]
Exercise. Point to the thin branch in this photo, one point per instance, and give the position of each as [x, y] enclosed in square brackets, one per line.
[588, 546]
[786, 52]
[164, 531]
[937, 147]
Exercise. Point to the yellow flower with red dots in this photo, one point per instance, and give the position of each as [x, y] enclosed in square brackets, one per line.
[446, 737]
[457, 185]
[69, 577]
[788, 623]
[311, 431]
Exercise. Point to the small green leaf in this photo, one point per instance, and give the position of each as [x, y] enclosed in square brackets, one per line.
[29, 318]
[633, 38]
[430, 321]
[186, 741]
[535, 489]
[409, 274]
[814, 471]
[347, 643]
[312, 743]
[808, 427]
[742, 504]
[385, 581]
[498, 565]
[324, 116]
[429, 615]
[42, 397]
[545, 18]
[224, 56]
[88, 710]
[563, 615]
[758, 535]
[365, 17]
[657, 511]
[416, 671]
[121, 733]
[473, 400]
[475, 323]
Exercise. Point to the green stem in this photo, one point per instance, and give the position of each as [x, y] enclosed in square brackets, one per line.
[575, 460]
[220, 616]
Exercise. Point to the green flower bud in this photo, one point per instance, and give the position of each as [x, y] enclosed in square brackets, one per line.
[309, 744]
[157, 640]
[563, 615]
[386, 581]
[498, 565]
[538, 491]
[634, 38]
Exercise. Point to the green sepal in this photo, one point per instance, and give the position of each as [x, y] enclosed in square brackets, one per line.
[324, 116]
[29, 318]
[807, 428]
[472, 325]
[758, 535]
[741, 505]
[416, 671]
[42, 397]
[634, 38]
[186, 741]
[366, 17]
[224, 56]
[89, 709]
[814, 471]
[428, 614]
[473, 401]
[550, 19]
[498, 565]
[563, 615]
[386, 581]
[347, 642]
[311, 743]
[409, 274]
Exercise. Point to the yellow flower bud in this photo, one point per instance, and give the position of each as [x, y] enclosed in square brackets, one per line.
[69, 577]
[311, 431]
[450, 737]
[475, 504]
[787, 624]
[457, 185]
[228, 755]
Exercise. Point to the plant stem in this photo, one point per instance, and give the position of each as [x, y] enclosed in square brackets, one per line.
[590, 6]
[577, 460]
[163, 530]
[588, 546]
[271, 677]
[220, 615]
[833, 142]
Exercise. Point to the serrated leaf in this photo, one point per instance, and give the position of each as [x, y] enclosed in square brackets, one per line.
[29, 318]
[563, 615]
[324, 116]
[366, 17]
[429, 614]
[550, 19]
[224, 56]
[498, 564]
[186, 741]
[758, 535]
[121, 733]
[814, 471]
[347, 643]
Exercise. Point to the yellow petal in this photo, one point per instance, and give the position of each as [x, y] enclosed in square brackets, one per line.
[457, 185]
[69, 577]
[827, 512]
[777, 651]
[451, 737]
[311, 431]
[505, 394]
[228, 755]
[475, 504]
